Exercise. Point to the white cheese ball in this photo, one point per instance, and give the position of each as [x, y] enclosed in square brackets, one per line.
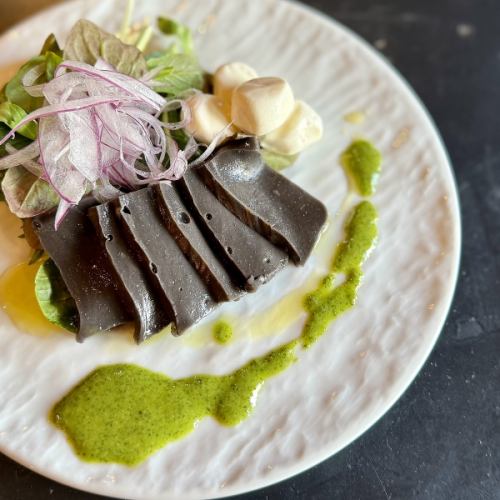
[227, 78]
[303, 128]
[261, 105]
[207, 118]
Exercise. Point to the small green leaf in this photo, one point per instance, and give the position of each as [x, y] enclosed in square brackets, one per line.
[51, 45]
[55, 301]
[52, 61]
[180, 31]
[17, 142]
[26, 194]
[36, 256]
[88, 43]
[179, 72]
[15, 91]
[179, 136]
[11, 114]
[278, 161]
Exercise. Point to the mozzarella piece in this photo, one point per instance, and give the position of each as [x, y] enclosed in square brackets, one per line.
[227, 78]
[303, 128]
[261, 105]
[207, 118]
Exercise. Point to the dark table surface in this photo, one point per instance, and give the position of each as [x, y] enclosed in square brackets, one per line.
[442, 439]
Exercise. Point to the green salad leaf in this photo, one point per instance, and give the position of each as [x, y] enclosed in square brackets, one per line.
[87, 43]
[17, 142]
[178, 67]
[278, 161]
[183, 34]
[178, 72]
[11, 114]
[36, 255]
[14, 90]
[26, 194]
[179, 135]
[51, 45]
[55, 301]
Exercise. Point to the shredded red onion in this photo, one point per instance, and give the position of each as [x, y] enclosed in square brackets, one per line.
[20, 156]
[211, 147]
[62, 210]
[100, 131]
[32, 75]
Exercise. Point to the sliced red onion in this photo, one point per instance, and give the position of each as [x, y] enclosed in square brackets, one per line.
[62, 210]
[55, 109]
[32, 75]
[85, 148]
[186, 114]
[100, 131]
[191, 147]
[68, 182]
[148, 78]
[35, 90]
[34, 167]
[101, 64]
[31, 165]
[105, 191]
[126, 83]
[211, 147]
[19, 157]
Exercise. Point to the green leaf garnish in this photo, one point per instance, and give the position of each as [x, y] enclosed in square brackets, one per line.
[55, 301]
[26, 194]
[278, 161]
[14, 90]
[36, 255]
[11, 114]
[51, 45]
[183, 34]
[88, 43]
[18, 142]
[179, 72]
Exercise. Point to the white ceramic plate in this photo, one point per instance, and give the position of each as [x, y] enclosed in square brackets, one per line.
[361, 367]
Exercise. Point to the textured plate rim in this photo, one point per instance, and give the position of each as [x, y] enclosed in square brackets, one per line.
[312, 460]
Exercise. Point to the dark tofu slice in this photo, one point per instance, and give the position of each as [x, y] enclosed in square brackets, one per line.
[191, 241]
[149, 315]
[267, 201]
[251, 259]
[178, 285]
[76, 251]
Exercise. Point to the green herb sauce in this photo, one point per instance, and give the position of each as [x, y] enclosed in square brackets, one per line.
[124, 413]
[362, 163]
[329, 300]
[222, 332]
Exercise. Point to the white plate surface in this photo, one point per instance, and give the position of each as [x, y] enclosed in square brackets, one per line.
[353, 375]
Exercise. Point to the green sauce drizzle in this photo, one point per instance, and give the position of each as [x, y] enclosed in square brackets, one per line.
[222, 332]
[124, 413]
[362, 163]
[329, 300]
